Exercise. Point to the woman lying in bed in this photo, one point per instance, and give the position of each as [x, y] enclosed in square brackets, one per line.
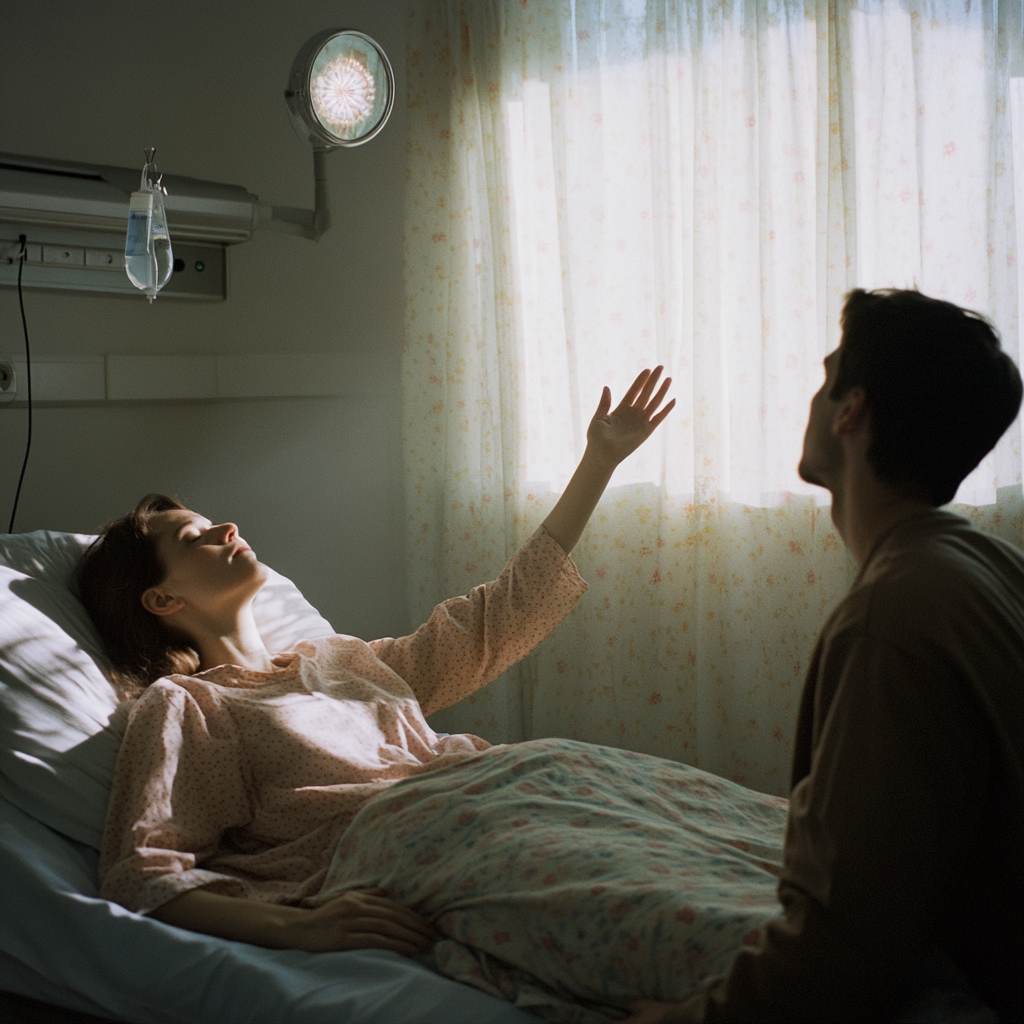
[300, 799]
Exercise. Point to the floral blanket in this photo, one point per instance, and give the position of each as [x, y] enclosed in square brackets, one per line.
[571, 878]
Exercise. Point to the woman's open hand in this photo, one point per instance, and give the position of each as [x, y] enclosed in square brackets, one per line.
[615, 434]
[611, 436]
[362, 919]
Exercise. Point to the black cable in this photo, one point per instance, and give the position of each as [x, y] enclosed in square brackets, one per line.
[28, 379]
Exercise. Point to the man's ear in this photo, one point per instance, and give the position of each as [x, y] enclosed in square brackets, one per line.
[852, 413]
[159, 602]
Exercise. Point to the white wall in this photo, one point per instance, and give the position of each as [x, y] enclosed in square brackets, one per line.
[314, 484]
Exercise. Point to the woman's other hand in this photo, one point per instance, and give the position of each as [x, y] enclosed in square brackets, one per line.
[359, 919]
[362, 919]
[614, 434]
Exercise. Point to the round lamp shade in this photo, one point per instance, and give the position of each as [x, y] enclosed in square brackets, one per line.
[341, 89]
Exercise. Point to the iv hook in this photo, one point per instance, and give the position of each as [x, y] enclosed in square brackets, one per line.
[150, 169]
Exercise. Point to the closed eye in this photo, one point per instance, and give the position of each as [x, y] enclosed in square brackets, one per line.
[190, 531]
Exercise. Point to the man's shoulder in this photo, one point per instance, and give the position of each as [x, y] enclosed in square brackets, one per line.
[937, 555]
[938, 577]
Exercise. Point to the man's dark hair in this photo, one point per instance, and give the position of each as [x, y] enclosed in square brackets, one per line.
[940, 389]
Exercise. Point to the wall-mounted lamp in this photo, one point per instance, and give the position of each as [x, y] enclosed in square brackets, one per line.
[341, 89]
[340, 93]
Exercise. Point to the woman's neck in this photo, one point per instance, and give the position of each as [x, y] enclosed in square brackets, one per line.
[234, 641]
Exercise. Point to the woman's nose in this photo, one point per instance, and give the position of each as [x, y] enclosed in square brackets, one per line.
[228, 532]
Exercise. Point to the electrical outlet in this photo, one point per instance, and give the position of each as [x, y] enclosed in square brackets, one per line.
[8, 380]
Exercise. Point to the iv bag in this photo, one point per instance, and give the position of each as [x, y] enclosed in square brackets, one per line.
[140, 226]
[148, 258]
[161, 242]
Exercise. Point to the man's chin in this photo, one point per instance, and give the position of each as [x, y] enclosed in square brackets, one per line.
[807, 473]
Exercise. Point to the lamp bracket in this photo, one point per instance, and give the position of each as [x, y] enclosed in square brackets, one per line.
[293, 220]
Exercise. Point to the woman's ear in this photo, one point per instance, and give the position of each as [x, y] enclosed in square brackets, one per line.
[159, 602]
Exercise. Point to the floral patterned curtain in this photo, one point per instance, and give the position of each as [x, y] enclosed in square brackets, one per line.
[595, 186]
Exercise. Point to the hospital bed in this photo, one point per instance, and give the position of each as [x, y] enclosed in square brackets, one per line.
[60, 729]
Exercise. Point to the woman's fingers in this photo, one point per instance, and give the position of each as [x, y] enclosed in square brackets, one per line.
[370, 904]
[385, 928]
[659, 397]
[639, 394]
[645, 392]
[377, 898]
[661, 415]
[370, 940]
[605, 404]
[406, 918]
[645, 381]
[634, 388]
[408, 922]
[361, 918]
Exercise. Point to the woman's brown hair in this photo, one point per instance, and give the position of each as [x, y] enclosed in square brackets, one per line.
[114, 573]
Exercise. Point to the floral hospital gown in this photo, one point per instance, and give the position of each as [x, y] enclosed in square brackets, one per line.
[568, 878]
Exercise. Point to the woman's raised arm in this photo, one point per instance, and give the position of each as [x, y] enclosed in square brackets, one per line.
[611, 436]
[469, 641]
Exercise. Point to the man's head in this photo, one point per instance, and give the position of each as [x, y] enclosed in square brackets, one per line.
[937, 386]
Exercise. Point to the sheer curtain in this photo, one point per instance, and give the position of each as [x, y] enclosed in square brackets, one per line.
[596, 186]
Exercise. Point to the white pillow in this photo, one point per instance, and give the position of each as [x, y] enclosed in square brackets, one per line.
[60, 721]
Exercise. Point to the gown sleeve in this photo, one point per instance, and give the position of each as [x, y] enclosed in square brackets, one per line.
[469, 641]
[178, 785]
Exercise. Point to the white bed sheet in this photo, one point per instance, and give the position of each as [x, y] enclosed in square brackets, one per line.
[61, 944]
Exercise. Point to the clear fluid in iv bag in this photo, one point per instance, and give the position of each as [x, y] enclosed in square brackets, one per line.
[148, 258]
[138, 246]
[162, 253]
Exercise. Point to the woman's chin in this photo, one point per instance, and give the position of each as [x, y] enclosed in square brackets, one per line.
[251, 581]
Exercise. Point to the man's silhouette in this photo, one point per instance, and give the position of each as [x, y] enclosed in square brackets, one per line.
[905, 838]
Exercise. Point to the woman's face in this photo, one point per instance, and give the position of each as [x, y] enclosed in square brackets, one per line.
[210, 569]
